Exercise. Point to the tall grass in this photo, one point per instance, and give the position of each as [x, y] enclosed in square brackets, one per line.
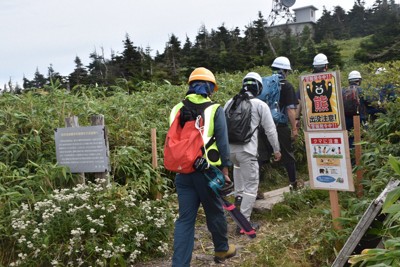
[36, 194]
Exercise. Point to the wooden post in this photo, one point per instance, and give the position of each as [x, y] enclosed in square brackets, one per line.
[154, 156]
[334, 198]
[357, 139]
[154, 148]
[99, 120]
[73, 122]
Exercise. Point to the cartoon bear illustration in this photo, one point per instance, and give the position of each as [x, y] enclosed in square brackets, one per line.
[320, 96]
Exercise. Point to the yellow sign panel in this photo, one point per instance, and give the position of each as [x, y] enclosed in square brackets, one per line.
[320, 93]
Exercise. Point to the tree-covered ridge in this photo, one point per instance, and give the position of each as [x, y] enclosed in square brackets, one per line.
[229, 50]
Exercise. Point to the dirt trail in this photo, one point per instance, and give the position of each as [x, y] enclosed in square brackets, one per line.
[203, 248]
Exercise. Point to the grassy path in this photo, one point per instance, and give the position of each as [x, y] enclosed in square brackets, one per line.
[286, 238]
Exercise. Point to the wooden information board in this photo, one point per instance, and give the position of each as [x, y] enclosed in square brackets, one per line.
[82, 149]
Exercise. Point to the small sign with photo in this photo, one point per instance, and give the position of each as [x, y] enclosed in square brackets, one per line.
[328, 159]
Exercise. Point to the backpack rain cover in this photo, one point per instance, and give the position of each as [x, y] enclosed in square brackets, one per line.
[271, 94]
[351, 101]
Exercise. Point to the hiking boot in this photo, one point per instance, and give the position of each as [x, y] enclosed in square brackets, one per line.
[255, 226]
[260, 195]
[239, 231]
[293, 186]
[221, 256]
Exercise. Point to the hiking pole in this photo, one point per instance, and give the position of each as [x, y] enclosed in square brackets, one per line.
[217, 184]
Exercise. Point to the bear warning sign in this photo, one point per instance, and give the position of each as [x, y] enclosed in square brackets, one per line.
[320, 94]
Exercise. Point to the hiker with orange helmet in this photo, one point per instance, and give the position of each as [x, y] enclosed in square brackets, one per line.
[193, 188]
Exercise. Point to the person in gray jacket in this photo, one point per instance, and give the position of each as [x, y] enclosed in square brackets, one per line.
[244, 156]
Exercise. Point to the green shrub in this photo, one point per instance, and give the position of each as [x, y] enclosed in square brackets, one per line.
[90, 224]
[390, 254]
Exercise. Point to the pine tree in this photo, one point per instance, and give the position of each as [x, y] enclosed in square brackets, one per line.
[356, 20]
[26, 83]
[172, 59]
[384, 44]
[305, 52]
[39, 80]
[257, 43]
[129, 62]
[97, 69]
[53, 76]
[324, 26]
[79, 76]
[200, 52]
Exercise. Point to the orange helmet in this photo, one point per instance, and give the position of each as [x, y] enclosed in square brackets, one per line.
[203, 74]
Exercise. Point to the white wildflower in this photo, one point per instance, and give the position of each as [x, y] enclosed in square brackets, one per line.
[29, 244]
[139, 238]
[22, 239]
[163, 247]
[111, 208]
[134, 255]
[36, 253]
[99, 262]
[22, 255]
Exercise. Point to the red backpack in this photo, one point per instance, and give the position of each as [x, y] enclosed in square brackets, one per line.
[184, 142]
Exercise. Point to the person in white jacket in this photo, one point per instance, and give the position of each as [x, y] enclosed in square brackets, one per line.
[244, 156]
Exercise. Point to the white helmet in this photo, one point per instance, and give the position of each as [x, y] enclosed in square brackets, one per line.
[380, 70]
[254, 76]
[281, 63]
[254, 87]
[320, 60]
[354, 75]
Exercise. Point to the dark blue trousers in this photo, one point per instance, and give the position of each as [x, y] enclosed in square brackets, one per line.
[192, 190]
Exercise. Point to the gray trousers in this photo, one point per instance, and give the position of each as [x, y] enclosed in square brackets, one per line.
[246, 180]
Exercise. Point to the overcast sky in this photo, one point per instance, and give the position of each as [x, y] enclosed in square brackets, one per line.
[37, 33]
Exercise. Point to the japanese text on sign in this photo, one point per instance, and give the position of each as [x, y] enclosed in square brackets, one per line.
[82, 149]
[321, 98]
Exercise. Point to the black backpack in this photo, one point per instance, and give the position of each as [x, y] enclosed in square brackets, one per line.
[238, 119]
[351, 101]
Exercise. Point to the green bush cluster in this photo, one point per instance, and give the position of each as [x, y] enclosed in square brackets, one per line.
[31, 182]
[90, 224]
[379, 164]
